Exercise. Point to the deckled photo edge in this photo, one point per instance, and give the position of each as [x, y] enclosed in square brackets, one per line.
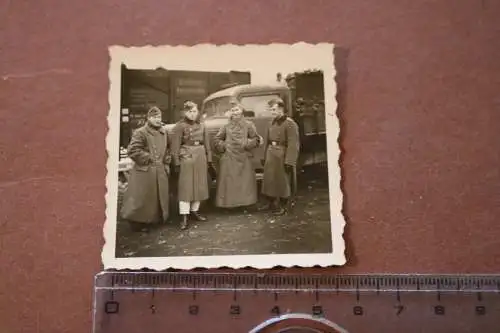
[338, 220]
[111, 197]
[146, 57]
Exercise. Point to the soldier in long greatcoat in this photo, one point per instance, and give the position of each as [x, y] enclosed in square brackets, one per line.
[236, 181]
[282, 146]
[146, 199]
[192, 156]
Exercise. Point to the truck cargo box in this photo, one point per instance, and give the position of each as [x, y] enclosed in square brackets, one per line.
[309, 96]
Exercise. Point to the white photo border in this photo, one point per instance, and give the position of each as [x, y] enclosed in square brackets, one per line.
[321, 56]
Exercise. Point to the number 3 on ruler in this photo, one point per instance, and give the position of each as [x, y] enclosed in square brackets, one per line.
[480, 310]
[193, 310]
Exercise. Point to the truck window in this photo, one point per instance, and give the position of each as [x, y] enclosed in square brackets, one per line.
[217, 107]
[258, 104]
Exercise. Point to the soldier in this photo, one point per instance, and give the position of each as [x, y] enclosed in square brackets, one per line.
[236, 182]
[192, 156]
[146, 200]
[281, 153]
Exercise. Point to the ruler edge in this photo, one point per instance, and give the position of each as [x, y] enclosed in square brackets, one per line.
[418, 277]
[357, 289]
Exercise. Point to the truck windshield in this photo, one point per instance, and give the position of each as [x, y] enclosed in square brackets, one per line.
[257, 105]
[217, 107]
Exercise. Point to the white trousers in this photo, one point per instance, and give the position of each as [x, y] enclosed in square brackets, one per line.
[186, 207]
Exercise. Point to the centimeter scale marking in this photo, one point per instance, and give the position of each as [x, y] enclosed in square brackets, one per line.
[277, 282]
[307, 288]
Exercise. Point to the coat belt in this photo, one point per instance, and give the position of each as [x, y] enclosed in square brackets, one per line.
[193, 143]
[278, 143]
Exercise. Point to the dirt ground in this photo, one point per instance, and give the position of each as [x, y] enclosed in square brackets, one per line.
[242, 231]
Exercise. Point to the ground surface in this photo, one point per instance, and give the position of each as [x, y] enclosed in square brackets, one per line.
[242, 231]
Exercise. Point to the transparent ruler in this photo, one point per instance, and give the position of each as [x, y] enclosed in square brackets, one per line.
[130, 302]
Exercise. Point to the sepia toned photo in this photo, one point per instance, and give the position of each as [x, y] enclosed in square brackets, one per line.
[223, 156]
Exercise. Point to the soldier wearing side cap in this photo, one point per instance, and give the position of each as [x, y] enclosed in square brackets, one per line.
[146, 200]
[282, 145]
[192, 157]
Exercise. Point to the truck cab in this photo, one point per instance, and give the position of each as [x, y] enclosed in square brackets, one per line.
[254, 99]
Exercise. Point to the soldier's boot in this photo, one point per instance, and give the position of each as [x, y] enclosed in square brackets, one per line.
[269, 205]
[278, 208]
[290, 204]
[184, 222]
[137, 227]
[198, 217]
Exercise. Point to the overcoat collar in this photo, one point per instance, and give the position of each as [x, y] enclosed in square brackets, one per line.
[191, 122]
[280, 120]
[152, 130]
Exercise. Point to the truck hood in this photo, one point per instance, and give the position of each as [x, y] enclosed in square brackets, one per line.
[215, 123]
[212, 124]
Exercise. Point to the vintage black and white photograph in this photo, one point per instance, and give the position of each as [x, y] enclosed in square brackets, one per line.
[223, 156]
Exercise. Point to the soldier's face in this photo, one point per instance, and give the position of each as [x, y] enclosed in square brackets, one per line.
[236, 111]
[155, 120]
[191, 114]
[276, 111]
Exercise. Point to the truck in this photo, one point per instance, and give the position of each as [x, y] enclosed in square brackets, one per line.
[303, 94]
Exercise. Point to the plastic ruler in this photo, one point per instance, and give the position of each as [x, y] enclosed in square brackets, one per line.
[152, 302]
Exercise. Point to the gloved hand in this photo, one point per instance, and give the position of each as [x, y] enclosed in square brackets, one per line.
[177, 169]
[221, 148]
[211, 170]
[289, 168]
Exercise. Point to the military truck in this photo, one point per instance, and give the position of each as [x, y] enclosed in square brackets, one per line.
[303, 94]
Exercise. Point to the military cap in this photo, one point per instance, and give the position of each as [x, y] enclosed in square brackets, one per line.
[154, 111]
[188, 105]
[277, 101]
